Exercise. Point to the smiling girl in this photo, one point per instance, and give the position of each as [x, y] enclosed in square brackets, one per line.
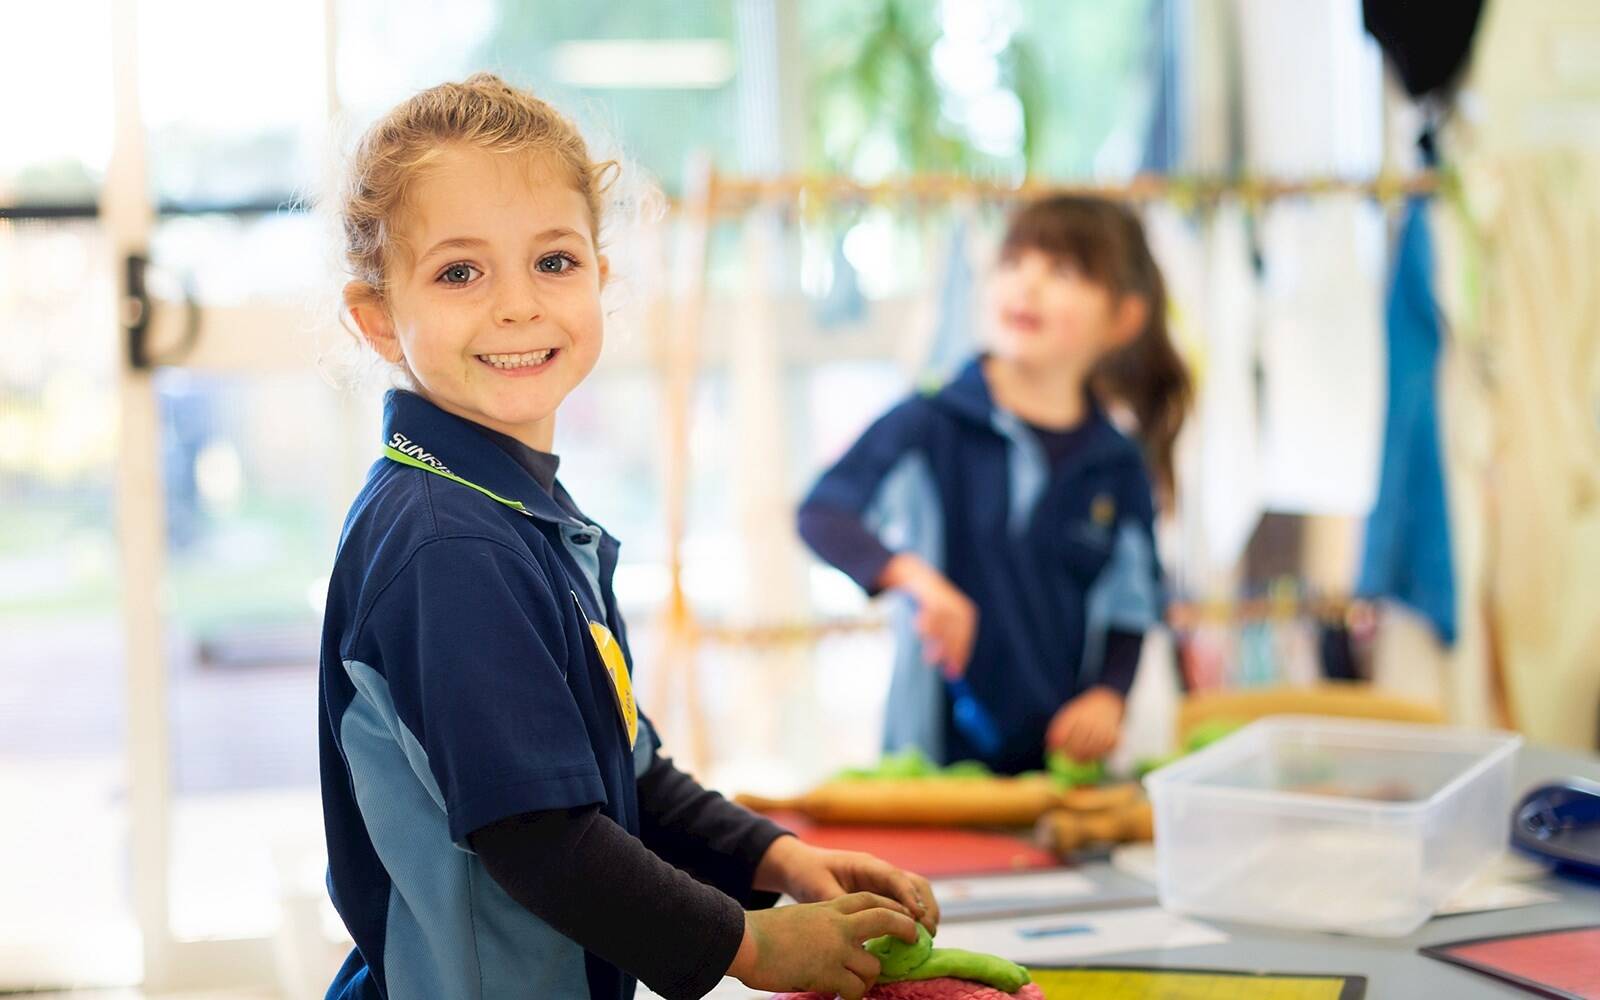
[501, 822]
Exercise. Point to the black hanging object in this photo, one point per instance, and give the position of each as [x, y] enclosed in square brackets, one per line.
[137, 306]
[136, 311]
[1336, 653]
[1428, 144]
[1426, 41]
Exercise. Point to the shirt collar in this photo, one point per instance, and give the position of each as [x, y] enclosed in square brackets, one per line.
[967, 395]
[439, 438]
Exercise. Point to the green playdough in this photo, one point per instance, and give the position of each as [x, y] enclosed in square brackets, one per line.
[990, 970]
[908, 763]
[1201, 737]
[1145, 765]
[968, 769]
[911, 763]
[898, 958]
[1074, 774]
[903, 962]
[1207, 733]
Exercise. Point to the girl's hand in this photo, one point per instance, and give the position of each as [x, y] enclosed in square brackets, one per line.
[947, 620]
[1088, 726]
[817, 946]
[812, 874]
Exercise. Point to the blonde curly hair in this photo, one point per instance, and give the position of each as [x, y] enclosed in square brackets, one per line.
[481, 112]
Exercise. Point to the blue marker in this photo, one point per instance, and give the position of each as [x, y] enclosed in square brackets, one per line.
[974, 721]
[1061, 930]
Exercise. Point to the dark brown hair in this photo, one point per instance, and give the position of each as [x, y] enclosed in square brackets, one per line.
[1106, 242]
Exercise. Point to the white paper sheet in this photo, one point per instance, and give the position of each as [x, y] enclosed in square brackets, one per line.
[997, 895]
[1030, 887]
[1138, 860]
[1501, 886]
[1068, 937]
[1483, 897]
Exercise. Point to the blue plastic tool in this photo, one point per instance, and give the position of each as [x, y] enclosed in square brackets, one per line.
[974, 721]
[1560, 823]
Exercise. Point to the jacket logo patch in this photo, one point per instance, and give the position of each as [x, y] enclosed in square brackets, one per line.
[1103, 511]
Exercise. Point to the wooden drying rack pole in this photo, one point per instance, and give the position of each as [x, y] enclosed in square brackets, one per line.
[1181, 616]
[735, 195]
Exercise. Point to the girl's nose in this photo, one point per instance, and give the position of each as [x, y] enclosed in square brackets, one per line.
[519, 302]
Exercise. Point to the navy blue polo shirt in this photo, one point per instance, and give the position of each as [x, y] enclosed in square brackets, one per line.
[460, 685]
[1054, 554]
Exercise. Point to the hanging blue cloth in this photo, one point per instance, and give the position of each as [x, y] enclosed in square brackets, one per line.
[843, 303]
[955, 336]
[1407, 550]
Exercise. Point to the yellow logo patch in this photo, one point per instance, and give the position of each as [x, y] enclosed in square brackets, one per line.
[617, 670]
[1103, 511]
[621, 683]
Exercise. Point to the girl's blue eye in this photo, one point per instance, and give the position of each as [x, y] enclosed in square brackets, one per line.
[557, 263]
[458, 274]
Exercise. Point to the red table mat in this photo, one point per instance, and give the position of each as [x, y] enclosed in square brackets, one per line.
[1564, 964]
[933, 852]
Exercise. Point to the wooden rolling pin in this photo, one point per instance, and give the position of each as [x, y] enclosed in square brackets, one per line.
[1101, 798]
[1064, 831]
[921, 801]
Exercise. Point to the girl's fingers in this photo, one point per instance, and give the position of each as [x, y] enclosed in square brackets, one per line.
[879, 921]
[954, 667]
[930, 904]
[908, 892]
[1106, 739]
[1067, 736]
[1056, 735]
[863, 965]
[871, 874]
[847, 986]
[860, 902]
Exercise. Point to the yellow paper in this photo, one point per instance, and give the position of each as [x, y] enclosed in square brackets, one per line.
[1153, 984]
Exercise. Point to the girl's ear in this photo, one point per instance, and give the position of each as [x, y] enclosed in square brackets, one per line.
[373, 320]
[1129, 320]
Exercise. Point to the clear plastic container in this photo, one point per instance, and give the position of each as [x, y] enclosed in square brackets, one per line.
[1331, 824]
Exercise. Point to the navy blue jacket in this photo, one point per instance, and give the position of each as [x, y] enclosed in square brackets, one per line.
[461, 684]
[1054, 557]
